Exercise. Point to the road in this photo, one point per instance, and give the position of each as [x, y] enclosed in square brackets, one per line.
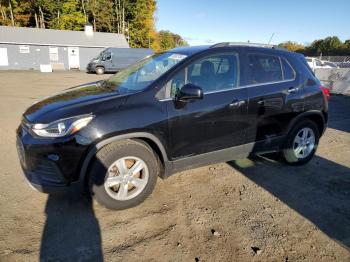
[247, 210]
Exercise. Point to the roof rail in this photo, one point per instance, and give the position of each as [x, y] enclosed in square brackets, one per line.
[223, 44]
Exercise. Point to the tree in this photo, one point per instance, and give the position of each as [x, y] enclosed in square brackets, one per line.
[168, 40]
[134, 18]
[100, 14]
[72, 17]
[140, 14]
[331, 45]
[328, 46]
[292, 46]
[347, 43]
[4, 13]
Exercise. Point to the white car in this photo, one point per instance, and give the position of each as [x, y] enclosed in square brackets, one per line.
[327, 64]
[316, 63]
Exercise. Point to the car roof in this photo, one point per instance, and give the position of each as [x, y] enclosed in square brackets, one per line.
[191, 50]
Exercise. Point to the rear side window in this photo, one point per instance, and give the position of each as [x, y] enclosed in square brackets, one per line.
[264, 68]
[288, 71]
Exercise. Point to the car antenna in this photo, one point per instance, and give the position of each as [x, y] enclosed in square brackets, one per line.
[273, 34]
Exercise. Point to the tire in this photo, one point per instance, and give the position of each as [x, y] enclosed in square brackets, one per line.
[100, 70]
[291, 152]
[108, 162]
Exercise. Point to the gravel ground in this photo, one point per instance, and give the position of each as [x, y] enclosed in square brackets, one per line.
[247, 210]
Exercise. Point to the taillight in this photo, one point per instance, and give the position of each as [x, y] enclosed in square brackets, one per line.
[326, 92]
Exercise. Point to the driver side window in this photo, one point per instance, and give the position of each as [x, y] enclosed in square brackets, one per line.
[106, 56]
[213, 73]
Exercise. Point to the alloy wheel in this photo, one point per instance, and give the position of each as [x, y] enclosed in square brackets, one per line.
[304, 143]
[127, 177]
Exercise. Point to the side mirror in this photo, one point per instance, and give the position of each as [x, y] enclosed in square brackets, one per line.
[189, 92]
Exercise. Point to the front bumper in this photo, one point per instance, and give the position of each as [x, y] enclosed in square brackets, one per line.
[34, 181]
[50, 165]
[91, 67]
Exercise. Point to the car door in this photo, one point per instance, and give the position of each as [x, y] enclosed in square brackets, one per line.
[272, 83]
[107, 59]
[218, 120]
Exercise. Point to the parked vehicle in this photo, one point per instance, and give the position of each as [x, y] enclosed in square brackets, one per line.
[173, 111]
[112, 60]
[315, 63]
[327, 64]
[344, 64]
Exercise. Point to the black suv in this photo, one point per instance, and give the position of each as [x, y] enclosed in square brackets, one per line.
[173, 111]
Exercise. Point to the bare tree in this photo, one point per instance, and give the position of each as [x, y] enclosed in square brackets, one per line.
[11, 13]
[36, 20]
[84, 11]
[3, 12]
[42, 20]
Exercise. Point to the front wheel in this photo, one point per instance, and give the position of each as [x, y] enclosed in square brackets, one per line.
[123, 174]
[100, 70]
[301, 143]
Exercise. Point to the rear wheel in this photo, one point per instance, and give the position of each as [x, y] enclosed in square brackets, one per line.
[301, 143]
[100, 70]
[123, 174]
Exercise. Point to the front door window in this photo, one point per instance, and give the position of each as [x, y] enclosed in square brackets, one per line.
[214, 73]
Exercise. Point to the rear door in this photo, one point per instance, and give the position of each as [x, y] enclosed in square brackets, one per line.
[217, 121]
[272, 83]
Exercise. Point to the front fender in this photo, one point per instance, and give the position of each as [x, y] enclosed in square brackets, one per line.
[136, 135]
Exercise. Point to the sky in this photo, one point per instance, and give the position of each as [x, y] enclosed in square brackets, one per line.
[206, 22]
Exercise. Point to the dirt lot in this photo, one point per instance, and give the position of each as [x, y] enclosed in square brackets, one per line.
[245, 210]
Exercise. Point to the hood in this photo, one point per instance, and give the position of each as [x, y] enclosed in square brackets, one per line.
[77, 97]
[94, 61]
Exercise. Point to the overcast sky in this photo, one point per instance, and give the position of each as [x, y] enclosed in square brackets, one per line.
[209, 21]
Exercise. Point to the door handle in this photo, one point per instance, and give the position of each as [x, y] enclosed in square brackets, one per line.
[292, 89]
[237, 103]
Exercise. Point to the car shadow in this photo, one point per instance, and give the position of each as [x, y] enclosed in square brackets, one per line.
[319, 191]
[339, 117]
[71, 231]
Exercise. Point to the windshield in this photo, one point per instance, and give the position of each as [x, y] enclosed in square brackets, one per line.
[141, 74]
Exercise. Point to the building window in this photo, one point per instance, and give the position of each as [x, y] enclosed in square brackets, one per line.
[24, 49]
[53, 54]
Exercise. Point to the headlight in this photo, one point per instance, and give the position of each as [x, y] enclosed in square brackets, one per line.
[63, 127]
